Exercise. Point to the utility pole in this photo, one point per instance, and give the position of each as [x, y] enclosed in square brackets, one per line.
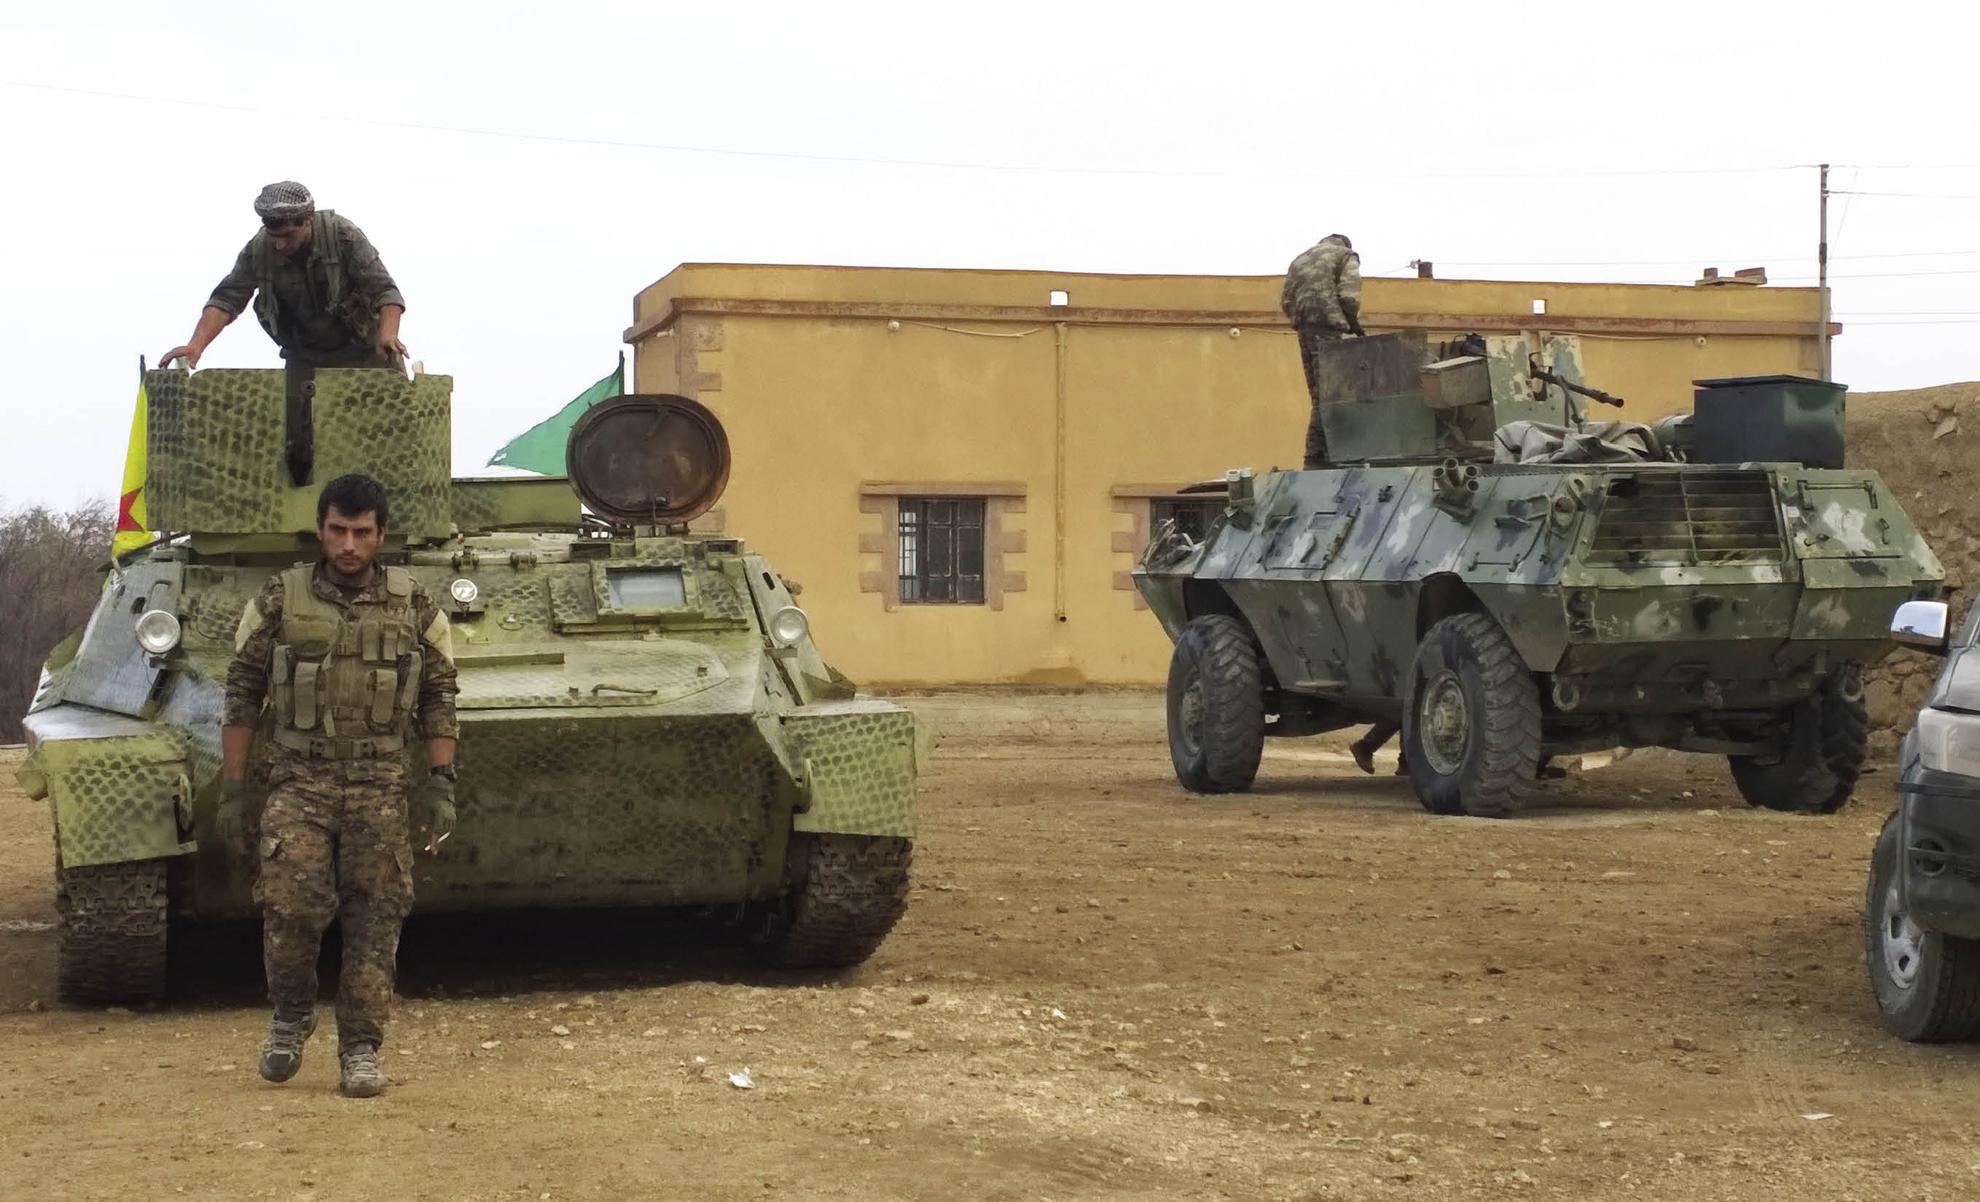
[1822, 271]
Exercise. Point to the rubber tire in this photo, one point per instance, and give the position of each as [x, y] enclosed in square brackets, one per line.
[1502, 700]
[112, 932]
[849, 893]
[1828, 741]
[1217, 656]
[1943, 1003]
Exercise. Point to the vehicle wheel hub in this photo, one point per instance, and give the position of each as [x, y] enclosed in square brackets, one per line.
[1903, 942]
[1444, 717]
[1191, 714]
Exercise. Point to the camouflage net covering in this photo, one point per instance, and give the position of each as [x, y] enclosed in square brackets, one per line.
[218, 440]
[215, 450]
[398, 431]
[595, 810]
[861, 757]
[115, 798]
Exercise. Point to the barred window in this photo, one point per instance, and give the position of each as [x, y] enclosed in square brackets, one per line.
[941, 550]
[1192, 517]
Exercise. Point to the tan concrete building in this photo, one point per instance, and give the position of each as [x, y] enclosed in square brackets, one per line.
[960, 467]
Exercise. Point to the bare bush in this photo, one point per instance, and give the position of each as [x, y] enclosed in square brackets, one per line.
[50, 573]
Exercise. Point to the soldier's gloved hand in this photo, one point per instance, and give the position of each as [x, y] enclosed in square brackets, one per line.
[436, 801]
[230, 817]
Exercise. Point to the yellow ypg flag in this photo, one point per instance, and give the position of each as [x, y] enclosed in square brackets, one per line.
[133, 530]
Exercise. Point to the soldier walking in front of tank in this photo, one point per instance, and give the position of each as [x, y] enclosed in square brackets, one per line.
[317, 287]
[1322, 298]
[345, 654]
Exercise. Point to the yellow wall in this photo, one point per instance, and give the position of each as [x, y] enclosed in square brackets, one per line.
[829, 379]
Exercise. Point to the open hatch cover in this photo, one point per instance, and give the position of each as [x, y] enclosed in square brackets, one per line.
[648, 457]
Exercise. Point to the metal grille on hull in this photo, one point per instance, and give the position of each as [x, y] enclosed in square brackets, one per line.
[1689, 517]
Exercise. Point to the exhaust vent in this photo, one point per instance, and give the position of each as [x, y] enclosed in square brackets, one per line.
[1688, 517]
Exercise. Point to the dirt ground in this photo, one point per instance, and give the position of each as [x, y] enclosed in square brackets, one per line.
[1104, 988]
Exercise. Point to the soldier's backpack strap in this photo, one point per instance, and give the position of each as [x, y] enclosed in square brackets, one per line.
[399, 585]
[329, 250]
[261, 259]
[285, 679]
[296, 594]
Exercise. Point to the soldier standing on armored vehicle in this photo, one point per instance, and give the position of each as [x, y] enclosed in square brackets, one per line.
[317, 286]
[345, 653]
[1322, 298]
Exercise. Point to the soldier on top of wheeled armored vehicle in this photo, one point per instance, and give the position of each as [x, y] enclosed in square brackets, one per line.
[1322, 299]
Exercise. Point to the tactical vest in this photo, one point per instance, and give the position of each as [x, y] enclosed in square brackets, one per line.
[326, 251]
[343, 682]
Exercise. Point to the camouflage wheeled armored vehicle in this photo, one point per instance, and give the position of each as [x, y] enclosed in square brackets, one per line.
[644, 717]
[1508, 581]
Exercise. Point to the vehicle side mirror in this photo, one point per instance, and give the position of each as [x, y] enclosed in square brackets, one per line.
[1921, 624]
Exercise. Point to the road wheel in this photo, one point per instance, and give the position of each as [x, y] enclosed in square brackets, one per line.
[1828, 738]
[849, 892]
[1216, 706]
[1927, 984]
[111, 938]
[1471, 720]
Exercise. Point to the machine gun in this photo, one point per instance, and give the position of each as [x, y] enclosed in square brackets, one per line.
[1535, 370]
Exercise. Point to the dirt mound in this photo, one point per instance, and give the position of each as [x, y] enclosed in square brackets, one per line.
[1923, 443]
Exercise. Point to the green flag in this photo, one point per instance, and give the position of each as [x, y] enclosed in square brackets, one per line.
[541, 447]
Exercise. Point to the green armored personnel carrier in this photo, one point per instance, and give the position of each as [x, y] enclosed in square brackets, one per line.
[644, 717]
[1508, 581]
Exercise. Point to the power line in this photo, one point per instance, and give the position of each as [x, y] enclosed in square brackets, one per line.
[1910, 254]
[1843, 220]
[1789, 279]
[1911, 195]
[1899, 254]
[869, 160]
[1609, 262]
[1912, 166]
[1887, 275]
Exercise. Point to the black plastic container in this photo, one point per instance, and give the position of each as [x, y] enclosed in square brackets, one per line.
[1768, 419]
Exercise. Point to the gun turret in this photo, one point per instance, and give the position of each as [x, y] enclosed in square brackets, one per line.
[1392, 396]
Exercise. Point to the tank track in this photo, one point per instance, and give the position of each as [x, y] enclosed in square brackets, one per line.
[112, 934]
[853, 890]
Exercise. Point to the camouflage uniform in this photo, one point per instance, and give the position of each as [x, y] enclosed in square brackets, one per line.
[1322, 298]
[334, 837]
[321, 305]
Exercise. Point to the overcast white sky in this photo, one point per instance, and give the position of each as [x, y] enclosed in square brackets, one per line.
[1552, 141]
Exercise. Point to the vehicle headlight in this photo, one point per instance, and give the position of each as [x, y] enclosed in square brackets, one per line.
[464, 591]
[157, 631]
[789, 626]
[1949, 741]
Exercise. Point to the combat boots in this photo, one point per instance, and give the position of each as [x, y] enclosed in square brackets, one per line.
[281, 1054]
[362, 1076]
